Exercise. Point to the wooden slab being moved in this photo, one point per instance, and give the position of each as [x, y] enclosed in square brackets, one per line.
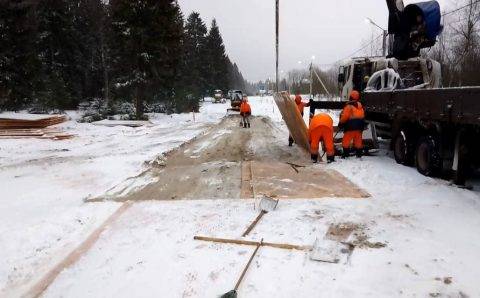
[280, 180]
[292, 117]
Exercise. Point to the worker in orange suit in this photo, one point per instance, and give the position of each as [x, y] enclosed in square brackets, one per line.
[352, 121]
[301, 107]
[321, 130]
[245, 112]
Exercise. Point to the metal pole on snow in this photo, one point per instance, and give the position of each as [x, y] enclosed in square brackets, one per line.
[277, 15]
[385, 35]
[311, 80]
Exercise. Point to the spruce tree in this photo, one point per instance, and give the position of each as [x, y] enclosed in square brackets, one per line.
[146, 47]
[194, 44]
[217, 61]
[19, 64]
[58, 51]
[90, 24]
[236, 78]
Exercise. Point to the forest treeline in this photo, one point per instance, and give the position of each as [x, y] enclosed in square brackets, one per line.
[55, 54]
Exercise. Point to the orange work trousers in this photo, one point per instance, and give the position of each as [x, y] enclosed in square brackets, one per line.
[355, 136]
[322, 134]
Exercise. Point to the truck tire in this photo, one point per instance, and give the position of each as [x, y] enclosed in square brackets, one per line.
[403, 148]
[427, 158]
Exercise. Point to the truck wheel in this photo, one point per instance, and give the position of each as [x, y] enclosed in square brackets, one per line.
[403, 149]
[427, 159]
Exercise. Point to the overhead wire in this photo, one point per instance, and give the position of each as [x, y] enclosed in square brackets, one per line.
[381, 35]
[460, 8]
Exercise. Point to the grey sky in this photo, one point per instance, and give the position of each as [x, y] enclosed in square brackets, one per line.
[326, 29]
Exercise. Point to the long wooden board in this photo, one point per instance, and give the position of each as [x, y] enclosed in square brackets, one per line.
[292, 117]
[12, 123]
[75, 255]
[253, 243]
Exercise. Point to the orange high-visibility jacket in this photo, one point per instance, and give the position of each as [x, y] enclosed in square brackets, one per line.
[320, 120]
[321, 129]
[301, 105]
[353, 116]
[245, 108]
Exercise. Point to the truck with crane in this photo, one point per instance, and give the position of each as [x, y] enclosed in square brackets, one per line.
[433, 128]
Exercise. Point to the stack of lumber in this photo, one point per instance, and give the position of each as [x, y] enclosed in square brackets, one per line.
[32, 126]
[41, 122]
[33, 133]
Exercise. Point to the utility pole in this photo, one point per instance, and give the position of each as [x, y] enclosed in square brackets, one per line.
[311, 79]
[277, 16]
[385, 35]
[384, 46]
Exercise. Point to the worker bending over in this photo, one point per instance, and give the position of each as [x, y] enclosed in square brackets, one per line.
[321, 130]
[245, 112]
[301, 107]
[352, 121]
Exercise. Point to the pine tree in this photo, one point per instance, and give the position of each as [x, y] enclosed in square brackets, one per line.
[217, 61]
[90, 24]
[19, 65]
[146, 47]
[194, 44]
[236, 78]
[57, 49]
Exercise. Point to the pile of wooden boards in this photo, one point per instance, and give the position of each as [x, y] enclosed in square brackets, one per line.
[17, 128]
[33, 133]
[41, 122]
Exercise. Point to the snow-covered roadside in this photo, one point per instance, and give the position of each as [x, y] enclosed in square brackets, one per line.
[43, 184]
[430, 229]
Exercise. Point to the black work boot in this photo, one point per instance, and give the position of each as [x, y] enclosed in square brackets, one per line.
[330, 159]
[359, 153]
[345, 153]
[290, 142]
[248, 124]
[315, 158]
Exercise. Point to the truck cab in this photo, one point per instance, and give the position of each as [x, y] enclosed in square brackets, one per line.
[354, 74]
[375, 74]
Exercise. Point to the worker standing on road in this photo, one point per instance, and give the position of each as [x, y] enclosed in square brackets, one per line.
[352, 121]
[245, 112]
[301, 107]
[321, 130]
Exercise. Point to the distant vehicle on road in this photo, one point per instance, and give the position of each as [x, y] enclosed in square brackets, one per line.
[218, 96]
[236, 100]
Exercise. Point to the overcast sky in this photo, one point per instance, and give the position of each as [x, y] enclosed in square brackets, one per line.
[327, 29]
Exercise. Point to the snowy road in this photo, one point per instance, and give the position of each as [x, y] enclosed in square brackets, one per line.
[431, 230]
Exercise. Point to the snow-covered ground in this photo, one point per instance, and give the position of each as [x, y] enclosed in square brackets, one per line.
[43, 184]
[431, 229]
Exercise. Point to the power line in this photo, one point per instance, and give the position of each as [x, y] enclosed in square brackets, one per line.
[381, 35]
[460, 8]
[369, 44]
[361, 49]
[354, 53]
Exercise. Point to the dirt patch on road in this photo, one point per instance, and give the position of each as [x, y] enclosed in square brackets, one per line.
[215, 166]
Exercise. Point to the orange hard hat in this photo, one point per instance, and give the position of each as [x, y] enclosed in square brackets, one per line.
[355, 95]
